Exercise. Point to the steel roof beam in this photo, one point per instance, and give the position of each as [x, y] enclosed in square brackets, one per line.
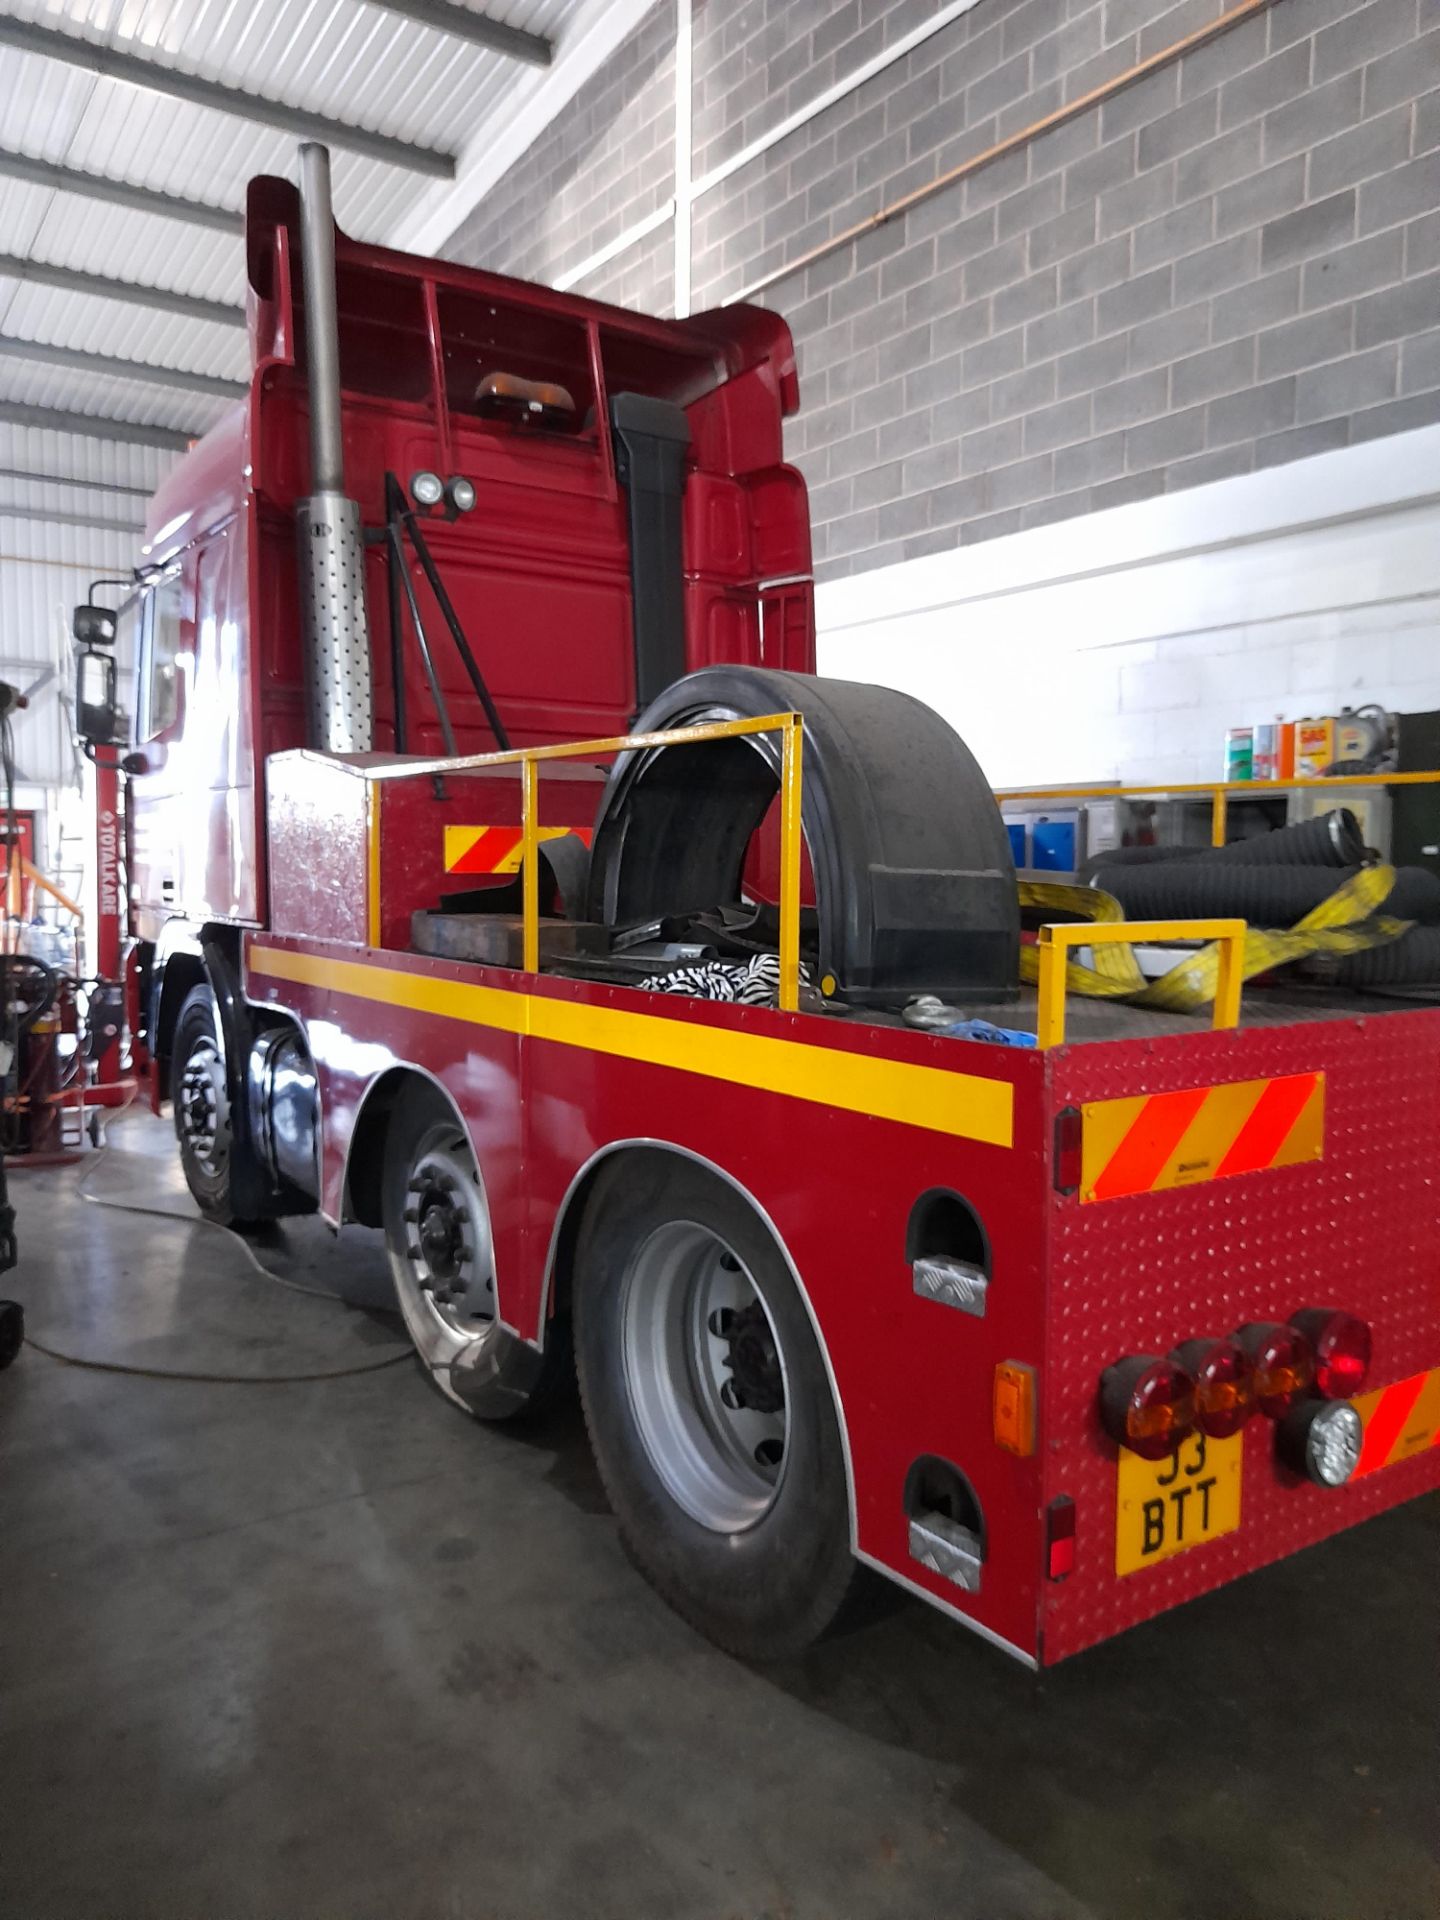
[478, 28]
[71, 280]
[118, 193]
[8, 512]
[105, 363]
[34, 478]
[95, 426]
[113, 64]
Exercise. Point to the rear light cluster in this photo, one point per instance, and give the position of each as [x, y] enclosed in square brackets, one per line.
[1150, 1404]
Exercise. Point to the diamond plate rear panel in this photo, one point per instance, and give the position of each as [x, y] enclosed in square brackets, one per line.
[1356, 1229]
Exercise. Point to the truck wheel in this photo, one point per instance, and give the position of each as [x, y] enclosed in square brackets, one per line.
[437, 1229]
[12, 1331]
[200, 1097]
[709, 1409]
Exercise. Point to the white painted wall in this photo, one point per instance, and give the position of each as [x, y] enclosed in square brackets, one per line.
[1124, 644]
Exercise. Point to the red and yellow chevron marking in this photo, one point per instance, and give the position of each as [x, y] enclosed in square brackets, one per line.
[1160, 1140]
[495, 849]
[1400, 1421]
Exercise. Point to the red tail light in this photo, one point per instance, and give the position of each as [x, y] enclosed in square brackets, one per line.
[1069, 1142]
[1060, 1537]
[1284, 1363]
[1342, 1350]
[1148, 1405]
[1224, 1384]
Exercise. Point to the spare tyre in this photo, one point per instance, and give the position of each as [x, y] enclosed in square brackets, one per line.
[914, 879]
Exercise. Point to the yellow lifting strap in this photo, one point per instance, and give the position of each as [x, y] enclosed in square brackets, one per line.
[1345, 922]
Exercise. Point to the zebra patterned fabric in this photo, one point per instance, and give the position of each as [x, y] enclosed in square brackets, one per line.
[749, 983]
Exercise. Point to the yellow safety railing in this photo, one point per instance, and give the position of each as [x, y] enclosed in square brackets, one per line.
[790, 727]
[1218, 790]
[1056, 940]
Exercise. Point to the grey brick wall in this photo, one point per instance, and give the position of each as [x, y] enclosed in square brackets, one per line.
[606, 163]
[1233, 263]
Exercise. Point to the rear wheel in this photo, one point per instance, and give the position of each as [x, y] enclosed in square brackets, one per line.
[200, 1098]
[437, 1230]
[709, 1409]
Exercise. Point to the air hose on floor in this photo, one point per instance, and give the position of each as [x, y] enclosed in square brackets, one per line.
[185, 1374]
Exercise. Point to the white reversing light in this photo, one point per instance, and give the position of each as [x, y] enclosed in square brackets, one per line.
[1322, 1439]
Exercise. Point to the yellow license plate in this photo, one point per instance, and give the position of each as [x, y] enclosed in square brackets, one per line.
[1164, 1506]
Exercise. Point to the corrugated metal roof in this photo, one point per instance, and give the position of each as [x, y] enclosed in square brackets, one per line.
[74, 456]
[106, 396]
[356, 63]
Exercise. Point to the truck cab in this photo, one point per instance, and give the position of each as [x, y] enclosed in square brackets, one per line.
[602, 497]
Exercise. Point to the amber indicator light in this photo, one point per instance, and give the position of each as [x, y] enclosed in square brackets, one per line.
[1014, 1406]
[1147, 1404]
[1284, 1364]
[1224, 1384]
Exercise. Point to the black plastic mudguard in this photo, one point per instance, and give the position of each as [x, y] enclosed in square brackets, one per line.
[914, 880]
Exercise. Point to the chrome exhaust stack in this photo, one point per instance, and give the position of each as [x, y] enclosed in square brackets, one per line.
[329, 538]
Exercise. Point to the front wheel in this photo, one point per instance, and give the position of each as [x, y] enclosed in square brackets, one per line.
[200, 1098]
[437, 1231]
[709, 1409]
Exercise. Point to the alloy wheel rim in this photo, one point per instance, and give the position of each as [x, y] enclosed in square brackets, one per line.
[205, 1107]
[706, 1375]
[447, 1241]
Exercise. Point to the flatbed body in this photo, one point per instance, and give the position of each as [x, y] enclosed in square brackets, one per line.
[834, 1127]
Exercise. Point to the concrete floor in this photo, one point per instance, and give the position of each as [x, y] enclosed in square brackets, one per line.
[328, 1649]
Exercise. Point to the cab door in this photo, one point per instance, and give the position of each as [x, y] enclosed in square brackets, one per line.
[163, 629]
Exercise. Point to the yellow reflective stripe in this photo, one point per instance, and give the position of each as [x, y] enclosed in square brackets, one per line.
[1306, 1139]
[1212, 1133]
[933, 1098]
[1421, 1429]
[1148, 1143]
[1107, 1122]
[460, 841]
[1403, 1437]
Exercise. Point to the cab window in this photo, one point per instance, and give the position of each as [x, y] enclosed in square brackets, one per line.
[161, 645]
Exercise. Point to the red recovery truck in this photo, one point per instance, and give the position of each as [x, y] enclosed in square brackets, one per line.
[478, 753]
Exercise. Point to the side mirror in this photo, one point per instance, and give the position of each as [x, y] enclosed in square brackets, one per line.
[93, 626]
[97, 716]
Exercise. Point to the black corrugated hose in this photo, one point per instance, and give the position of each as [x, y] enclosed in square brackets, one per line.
[1265, 896]
[1411, 961]
[1331, 839]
